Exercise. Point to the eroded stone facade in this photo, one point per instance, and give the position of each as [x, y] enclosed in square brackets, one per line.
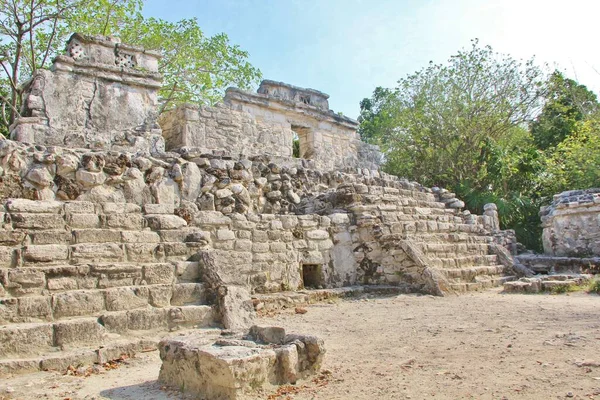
[572, 224]
[266, 123]
[106, 234]
[101, 94]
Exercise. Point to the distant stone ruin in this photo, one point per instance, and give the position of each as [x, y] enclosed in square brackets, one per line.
[571, 239]
[118, 224]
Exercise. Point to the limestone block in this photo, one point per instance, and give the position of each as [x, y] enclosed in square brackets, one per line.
[11, 238]
[164, 221]
[84, 221]
[187, 271]
[79, 207]
[37, 221]
[37, 307]
[120, 208]
[46, 253]
[115, 321]
[141, 252]
[63, 361]
[317, 235]
[235, 307]
[192, 179]
[64, 283]
[34, 207]
[243, 245]
[211, 218]
[160, 295]
[26, 278]
[146, 319]
[79, 332]
[119, 299]
[125, 221]
[77, 303]
[51, 237]
[140, 237]
[225, 234]
[188, 293]
[21, 341]
[9, 257]
[89, 179]
[198, 316]
[159, 208]
[159, 273]
[97, 252]
[40, 177]
[96, 236]
[178, 249]
[215, 372]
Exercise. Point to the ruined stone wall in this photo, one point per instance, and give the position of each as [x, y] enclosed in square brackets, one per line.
[266, 122]
[221, 128]
[572, 224]
[99, 95]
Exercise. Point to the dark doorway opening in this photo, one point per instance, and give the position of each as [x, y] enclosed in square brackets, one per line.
[312, 276]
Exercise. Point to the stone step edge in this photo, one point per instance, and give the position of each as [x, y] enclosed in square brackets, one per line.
[87, 356]
[281, 300]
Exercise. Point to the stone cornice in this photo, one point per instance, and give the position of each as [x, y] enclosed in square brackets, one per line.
[265, 101]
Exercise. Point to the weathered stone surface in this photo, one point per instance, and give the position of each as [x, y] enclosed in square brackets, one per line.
[78, 332]
[235, 307]
[163, 221]
[21, 341]
[234, 368]
[570, 224]
[77, 303]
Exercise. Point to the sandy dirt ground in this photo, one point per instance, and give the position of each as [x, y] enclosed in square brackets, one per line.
[480, 346]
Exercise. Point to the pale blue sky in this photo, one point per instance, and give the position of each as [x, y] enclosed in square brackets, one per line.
[346, 48]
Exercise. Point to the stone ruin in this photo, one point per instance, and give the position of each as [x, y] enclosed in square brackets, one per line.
[571, 240]
[119, 225]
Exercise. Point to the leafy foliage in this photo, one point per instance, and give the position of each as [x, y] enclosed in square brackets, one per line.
[567, 103]
[195, 68]
[433, 124]
[575, 164]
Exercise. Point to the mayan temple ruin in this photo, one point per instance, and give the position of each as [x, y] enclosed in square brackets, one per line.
[120, 225]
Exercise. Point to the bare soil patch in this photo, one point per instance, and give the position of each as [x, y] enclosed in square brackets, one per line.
[478, 346]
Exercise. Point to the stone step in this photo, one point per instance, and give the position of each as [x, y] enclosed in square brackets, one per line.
[60, 254]
[447, 237]
[84, 356]
[470, 274]
[35, 339]
[463, 287]
[463, 262]
[453, 250]
[46, 279]
[95, 302]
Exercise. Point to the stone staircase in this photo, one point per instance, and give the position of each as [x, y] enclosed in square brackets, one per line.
[449, 241]
[97, 279]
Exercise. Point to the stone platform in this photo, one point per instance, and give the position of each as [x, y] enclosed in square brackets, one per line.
[230, 368]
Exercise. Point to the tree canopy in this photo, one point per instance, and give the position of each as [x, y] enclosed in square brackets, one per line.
[492, 129]
[196, 67]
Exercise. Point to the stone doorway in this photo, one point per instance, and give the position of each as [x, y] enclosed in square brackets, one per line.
[312, 276]
[302, 139]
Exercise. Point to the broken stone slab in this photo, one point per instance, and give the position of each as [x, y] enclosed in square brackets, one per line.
[540, 283]
[230, 369]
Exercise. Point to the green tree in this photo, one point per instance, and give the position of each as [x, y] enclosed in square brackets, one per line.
[433, 125]
[461, 125]
[575, 163]
[567, 103]
[196, 68]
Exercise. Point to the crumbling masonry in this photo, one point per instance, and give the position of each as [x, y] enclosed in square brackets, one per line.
[117, 223]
